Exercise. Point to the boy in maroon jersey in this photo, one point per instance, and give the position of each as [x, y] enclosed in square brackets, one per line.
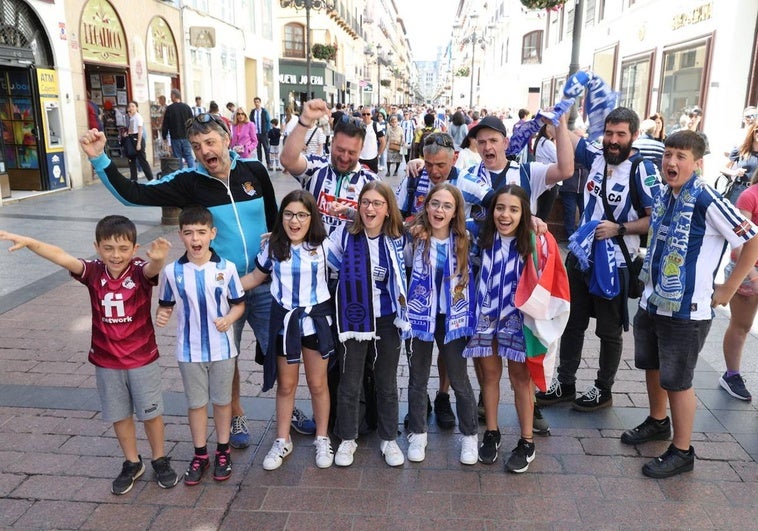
[123, 347]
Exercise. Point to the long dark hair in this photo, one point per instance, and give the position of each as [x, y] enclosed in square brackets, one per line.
[523, 231]
[279, 243]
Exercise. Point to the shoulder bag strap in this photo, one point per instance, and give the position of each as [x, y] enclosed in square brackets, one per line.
[610, 217]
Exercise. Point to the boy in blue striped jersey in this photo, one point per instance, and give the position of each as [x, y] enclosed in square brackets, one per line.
[211, 299]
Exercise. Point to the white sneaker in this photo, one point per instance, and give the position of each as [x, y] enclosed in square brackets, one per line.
[417, 447]
[392, 453]
[469, 449]
[324, 454]
[276, 455]
[344, 455]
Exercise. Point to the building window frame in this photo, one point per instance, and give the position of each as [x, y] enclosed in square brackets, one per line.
[635, 93]
[293, 43]
[531, 47]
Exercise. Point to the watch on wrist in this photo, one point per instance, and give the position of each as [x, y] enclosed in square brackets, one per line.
[622, 229]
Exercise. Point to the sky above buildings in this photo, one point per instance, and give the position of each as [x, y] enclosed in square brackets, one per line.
[429, 25]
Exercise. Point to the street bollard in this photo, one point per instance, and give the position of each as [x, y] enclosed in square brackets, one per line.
[170, 215]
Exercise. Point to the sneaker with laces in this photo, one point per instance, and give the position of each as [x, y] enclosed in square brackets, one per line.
[673, 461]
[129, 474]
[302, 424]
[556, 393]
[240, 437]
[416, 447]
[222, 466]
[392, 453]
[735, 386]
[164, 474]
[275, 457]
[650, 430]
[443, 412]
[520, 457]
[469, 449]
[324, 453]
[196, 469]
[593, 398]
[345, 451]
[489, 446]
[540, 425]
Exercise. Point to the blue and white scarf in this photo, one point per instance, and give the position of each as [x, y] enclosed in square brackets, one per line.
[521, 136]
[600, 255]
[355, 309]
[600, 100]
[423, 297]
[671, 274]
[496, 314]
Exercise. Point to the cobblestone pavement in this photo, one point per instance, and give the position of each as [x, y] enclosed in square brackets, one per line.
[58, 457]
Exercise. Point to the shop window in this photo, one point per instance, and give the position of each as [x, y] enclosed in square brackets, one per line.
[683, 79]
[531, 49]
[294, 40]
[545, 93]
[635, 83]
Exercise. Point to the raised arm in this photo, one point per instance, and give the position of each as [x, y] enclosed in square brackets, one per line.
[564, 168]
[49, 252]
[291, 156]
[157, 254]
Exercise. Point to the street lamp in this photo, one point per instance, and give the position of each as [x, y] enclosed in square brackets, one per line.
[473, 18]
[318, 5]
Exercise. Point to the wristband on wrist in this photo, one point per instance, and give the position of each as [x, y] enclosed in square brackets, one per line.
[301, 123]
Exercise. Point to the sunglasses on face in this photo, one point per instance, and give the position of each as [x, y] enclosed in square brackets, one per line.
[346, 119]
[206, 118]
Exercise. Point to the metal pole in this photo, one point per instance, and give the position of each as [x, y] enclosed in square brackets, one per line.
[378, 82]
[576, 45]
[308, 50]
[473, 52]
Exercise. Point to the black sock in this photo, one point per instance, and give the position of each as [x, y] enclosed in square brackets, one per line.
[222, 448]
[202, 451]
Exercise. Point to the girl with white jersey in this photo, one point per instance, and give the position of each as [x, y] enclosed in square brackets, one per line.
[301, 320]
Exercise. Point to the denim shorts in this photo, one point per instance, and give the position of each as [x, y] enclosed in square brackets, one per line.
[211, 380]
[124, 392]
[669, 345]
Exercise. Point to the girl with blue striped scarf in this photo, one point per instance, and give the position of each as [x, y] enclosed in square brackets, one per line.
[505, 242]
[371, 316]
[440, 308]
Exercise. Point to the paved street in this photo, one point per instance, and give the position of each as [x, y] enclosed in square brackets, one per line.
[58, 458]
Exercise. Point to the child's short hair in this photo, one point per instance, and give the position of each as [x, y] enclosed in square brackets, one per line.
[195, 215]
[274, 121]
[686, 140]
[116, 227]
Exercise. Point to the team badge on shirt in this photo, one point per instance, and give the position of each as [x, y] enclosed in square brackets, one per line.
[128, 283]
[249, 189]
[220, 278]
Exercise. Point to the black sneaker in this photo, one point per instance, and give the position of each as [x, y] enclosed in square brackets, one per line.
[735, 386]
[593, 398]
[164, 474]
[222, 466]
[196, 469]
[520, 457]
[673, 461]
[556, 393]
[489, 446]
[650, 430]
[443, 412]
[540, 425]
[129, 473]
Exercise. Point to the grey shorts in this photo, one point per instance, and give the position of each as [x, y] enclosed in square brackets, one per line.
[124, 392]
[669, 345]
[208, 380]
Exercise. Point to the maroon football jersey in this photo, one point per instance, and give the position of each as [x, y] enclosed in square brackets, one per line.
[122, 327]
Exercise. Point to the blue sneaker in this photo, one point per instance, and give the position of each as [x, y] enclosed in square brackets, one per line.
[240, 437]
[302, 424]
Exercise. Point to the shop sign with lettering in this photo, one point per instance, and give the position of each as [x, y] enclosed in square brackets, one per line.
[295, 79]
[102, 37]
[161, 49]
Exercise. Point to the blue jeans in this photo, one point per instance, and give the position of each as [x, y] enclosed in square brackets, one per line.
[570, 201]
[257, 314]
[181, 149]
